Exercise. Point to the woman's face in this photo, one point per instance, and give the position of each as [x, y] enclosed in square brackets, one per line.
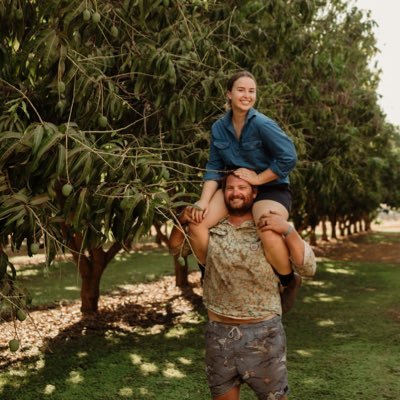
[243, 94]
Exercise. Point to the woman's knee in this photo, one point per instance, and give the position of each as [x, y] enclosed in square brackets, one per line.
[271, 238]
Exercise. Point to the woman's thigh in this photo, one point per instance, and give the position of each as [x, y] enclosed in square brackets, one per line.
[265, 206]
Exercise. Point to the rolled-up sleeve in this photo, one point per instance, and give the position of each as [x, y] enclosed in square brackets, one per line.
[309, 266]
[281, 147]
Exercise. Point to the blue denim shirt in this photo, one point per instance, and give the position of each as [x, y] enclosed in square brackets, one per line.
[262, 145]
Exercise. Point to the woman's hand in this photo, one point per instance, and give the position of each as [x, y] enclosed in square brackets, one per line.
[198, 211]
[272, 221]
[248, 175]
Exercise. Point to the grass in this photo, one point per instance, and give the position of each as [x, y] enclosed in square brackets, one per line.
[343, 341]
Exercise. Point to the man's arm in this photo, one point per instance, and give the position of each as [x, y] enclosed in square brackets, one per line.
[301, 254]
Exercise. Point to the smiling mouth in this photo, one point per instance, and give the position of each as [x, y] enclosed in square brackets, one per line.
[235, 199]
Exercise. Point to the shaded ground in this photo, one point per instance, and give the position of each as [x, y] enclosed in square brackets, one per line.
[156, 304]
[382, 247]
[142, 306]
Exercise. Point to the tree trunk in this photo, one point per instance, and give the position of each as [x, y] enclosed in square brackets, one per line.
[333, 228]
[181, 272]
[367, 224]
[91, 267]
[313, 237]
[324, 230]
[160, 236]
[90, 289]
[342, 227]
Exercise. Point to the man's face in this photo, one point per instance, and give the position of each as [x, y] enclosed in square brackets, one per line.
[239, 195]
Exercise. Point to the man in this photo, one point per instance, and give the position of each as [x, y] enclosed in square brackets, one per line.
[245, 340]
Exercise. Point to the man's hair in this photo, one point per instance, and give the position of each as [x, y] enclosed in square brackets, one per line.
[222, 182]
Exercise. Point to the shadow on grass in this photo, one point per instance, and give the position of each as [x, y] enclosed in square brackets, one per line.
[132, 352]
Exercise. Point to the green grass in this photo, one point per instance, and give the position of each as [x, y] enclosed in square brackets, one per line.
[61, 281]
[379, 237]
[343, 343]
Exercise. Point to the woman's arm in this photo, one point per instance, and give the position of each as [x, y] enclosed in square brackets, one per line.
[256, 179]
[279, 145]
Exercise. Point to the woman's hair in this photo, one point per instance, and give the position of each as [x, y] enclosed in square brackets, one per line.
[238, 75]
[233, 79]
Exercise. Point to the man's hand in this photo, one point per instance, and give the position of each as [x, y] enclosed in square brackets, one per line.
[273, 222]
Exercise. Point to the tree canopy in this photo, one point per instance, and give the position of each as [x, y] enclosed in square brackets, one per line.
[106, 109]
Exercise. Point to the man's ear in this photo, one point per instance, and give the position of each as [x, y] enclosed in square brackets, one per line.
[255, 191]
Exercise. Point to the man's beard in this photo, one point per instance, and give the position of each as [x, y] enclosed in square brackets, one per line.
[247, 204]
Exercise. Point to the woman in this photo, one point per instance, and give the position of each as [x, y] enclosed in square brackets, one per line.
[256, 148]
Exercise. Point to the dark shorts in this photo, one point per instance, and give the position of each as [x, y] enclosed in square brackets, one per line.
[279, 193]
[247, 353]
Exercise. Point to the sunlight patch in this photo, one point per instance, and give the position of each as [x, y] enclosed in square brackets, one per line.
[75, 377]
[72, 288]
[49, 389]
[326, 298]
[29, 272]
[136, 359]
[304, 353]
[144, 391]
[340, 271]
[148, 368]
[172, 372]
[177, 332]
[156, 329]
[326, 322]
[18, 372]
[323, 297]
[40, 364]
[82, 354]
[185, 361]
[126, 392]
[317, 283]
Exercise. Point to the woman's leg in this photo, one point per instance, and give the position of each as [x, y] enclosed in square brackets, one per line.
[199, 232]
[277, 253]
[275, 249]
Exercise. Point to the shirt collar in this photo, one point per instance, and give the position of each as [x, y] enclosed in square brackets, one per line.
[245, 224]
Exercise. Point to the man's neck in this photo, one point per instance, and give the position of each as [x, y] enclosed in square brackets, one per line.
[239, 219]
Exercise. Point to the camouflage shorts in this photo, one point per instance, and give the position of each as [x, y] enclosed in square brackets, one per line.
[247, 353]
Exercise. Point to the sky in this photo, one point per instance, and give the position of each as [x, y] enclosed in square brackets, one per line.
[386, 14]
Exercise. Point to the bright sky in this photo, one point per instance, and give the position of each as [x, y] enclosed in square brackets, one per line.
[386, 14]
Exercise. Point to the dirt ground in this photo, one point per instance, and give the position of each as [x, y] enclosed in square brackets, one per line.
[154, 305]
[358, 248]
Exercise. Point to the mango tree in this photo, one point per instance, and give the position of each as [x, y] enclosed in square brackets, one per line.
[102, 123]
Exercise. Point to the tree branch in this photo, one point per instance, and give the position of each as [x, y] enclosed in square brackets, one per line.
[112, 251]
